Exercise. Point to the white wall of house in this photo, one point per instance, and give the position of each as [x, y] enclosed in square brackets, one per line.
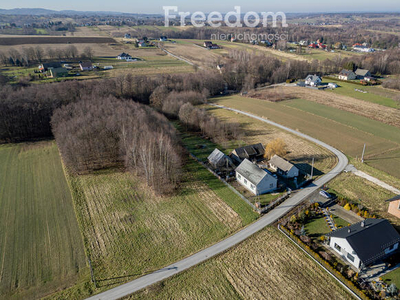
[343, 248]
[266, 185]
[348, 77]
[293, 172]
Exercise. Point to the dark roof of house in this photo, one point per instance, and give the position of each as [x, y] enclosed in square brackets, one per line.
[394, 198]
[59, 70]
[123, 54]
[86, 64]
[216, 156]
[51, 65]
[280, 163]
[346, 72]
[369, 238]
[313, 78]
[251, 150]
[362, 72]
[251, 172]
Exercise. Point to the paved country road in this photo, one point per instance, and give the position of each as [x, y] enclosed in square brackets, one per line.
[142, 282]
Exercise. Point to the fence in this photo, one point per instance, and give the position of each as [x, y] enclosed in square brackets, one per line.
[226, 183]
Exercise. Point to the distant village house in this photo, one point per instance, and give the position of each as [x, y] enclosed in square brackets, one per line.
[124, 55]
[347, 75]
[86, 66]
[313, 80]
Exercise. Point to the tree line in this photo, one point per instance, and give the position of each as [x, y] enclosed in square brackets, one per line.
[29, 55]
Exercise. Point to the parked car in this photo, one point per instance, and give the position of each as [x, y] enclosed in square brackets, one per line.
[325, 194]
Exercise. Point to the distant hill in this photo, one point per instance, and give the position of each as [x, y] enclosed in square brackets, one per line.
[43, 11]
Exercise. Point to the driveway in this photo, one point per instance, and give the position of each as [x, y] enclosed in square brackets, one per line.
[199, 257]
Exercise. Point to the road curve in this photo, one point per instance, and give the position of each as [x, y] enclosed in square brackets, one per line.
[184, 264]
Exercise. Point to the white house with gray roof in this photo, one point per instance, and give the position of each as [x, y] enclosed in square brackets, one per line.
[255, 179]
[283, 167]
[313, 80]
[364, 243]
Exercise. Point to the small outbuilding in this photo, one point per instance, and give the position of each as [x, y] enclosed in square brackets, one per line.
[254, 179]
[219, 160]
[252, 152]
[394, 206]
[283, 167]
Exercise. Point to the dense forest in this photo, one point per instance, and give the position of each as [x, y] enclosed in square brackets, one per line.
[97, 133]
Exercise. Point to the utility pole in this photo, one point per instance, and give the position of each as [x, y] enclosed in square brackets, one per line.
[312, 168]
[362, 157]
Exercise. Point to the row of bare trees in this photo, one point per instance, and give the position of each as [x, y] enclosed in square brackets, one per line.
[97, 133]
[195, 118]
[29, 55]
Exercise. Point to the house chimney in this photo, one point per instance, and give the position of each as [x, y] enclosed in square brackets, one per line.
[363, 224]
[349, 230]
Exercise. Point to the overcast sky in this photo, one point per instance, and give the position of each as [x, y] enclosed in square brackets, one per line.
[155, 6]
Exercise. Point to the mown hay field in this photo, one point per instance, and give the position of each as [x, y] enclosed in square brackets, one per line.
[344, 130]
[129, 231]
[265, 266]
[375, 94]
[388, 114]
[41, 248]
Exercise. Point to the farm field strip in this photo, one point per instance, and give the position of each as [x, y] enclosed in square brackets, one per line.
[348, 139]
[41, 247]
[375, 94]
[265, 274]
[129, 231]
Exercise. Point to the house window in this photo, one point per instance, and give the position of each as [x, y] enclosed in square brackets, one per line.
[239, 176]
[350, 257]
[253, 187]
[245, 181]
[338, 248]
[271, 185]
[391, 248]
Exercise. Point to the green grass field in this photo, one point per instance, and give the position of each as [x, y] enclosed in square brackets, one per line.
[345, 131]
[375, 94]
[362, 191]
[129, 231]
[392, 277]
[316, 227]
[41, 248]
[253, 269]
